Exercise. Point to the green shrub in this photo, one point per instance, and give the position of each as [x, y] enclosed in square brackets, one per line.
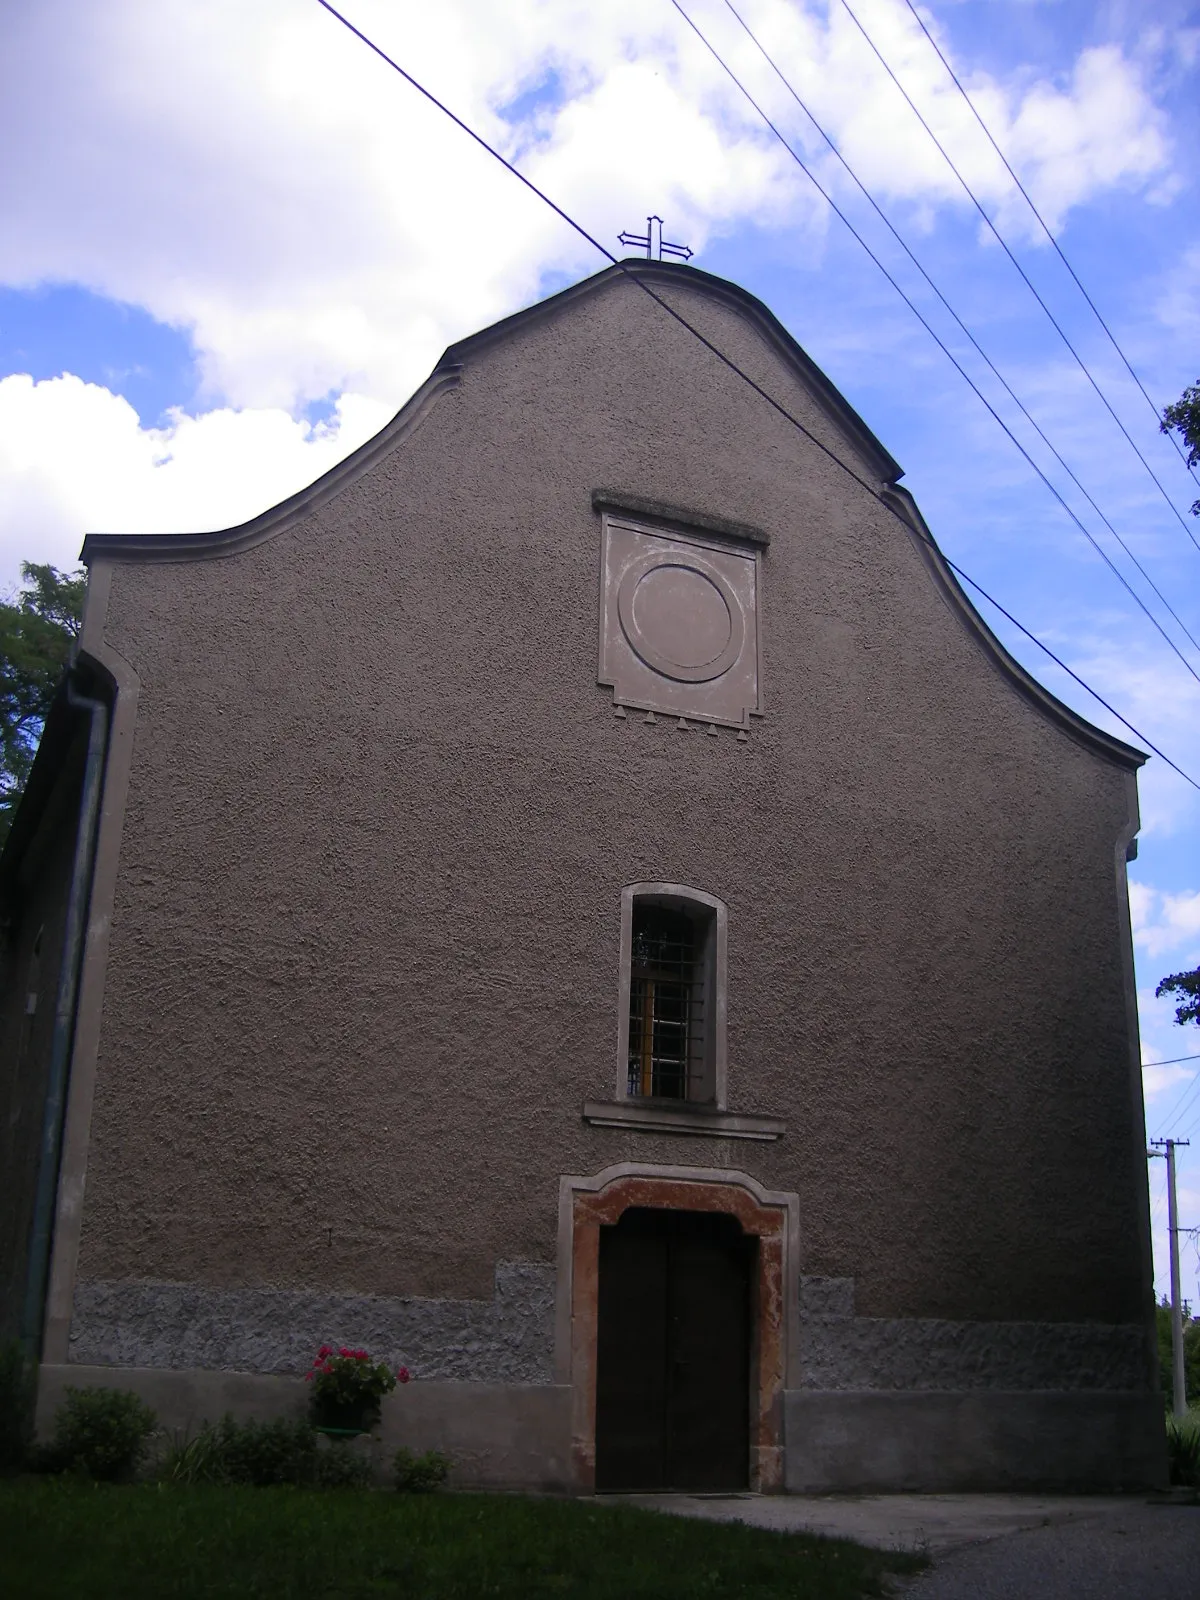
[18, 1390]
[339, 1467]
[102, 1433]
[1183, 1450]
[245, 1452]
[419, 1474]
[267, 1452]
[264, 1453]
[195, 1460]
[1191, 1354]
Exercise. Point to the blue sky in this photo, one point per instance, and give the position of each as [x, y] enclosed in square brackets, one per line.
[58, 328]
[236, 242]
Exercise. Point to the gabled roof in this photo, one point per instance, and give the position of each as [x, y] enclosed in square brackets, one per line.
[446, 375]
[666, 273]
[226, 541]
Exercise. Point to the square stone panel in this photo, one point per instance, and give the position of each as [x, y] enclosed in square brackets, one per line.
[679, 624]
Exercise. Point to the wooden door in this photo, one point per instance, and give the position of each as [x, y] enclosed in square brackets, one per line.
[673, 1353]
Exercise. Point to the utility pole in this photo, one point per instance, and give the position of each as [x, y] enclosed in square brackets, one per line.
[1179, 1386]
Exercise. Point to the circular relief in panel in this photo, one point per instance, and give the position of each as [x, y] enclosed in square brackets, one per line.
[681, 616]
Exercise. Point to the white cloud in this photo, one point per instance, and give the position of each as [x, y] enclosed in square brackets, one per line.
[1100, 134]
[1141, 900]
[1163, 1040]
[1164, 923]
[1157, 1080]
[256, 174]
[1068, 140]
[253, 173]
[1179, 920]
[1158, 695]
[75, 459]
[1178, 305]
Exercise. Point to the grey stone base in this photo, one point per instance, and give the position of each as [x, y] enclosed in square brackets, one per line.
[498, 1436]
[144, 1323]
[906, 1353]
[928, 1442]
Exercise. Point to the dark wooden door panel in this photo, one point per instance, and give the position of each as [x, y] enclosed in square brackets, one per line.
[631, 1361]
[708, 1365]
[673, 1353]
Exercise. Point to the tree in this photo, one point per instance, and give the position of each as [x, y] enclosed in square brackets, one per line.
[1183, 418]
[38, 628]
[1191, 1353]
[1187, 986]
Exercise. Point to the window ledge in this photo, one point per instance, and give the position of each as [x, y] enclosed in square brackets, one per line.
[643, 1117]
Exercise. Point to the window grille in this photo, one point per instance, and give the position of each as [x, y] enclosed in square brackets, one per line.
[663, 1020]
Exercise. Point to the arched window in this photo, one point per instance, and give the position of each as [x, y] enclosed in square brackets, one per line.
[672, 1001]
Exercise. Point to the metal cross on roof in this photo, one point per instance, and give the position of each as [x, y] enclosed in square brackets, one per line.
[655, 246]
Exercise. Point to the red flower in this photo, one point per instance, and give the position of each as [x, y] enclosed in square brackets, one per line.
[403, 1375]
[325, 1350]
[343, 1351]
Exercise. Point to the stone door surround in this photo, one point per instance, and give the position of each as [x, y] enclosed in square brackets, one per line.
[588, 1204]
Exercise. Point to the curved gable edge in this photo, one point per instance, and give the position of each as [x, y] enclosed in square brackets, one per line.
[901, 502]
[229, 541]
[448, 374]
[836, 407]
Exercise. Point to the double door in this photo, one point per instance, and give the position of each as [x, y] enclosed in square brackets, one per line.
[673, 1353]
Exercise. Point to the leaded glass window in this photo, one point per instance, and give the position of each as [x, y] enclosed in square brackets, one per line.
[664, 1015]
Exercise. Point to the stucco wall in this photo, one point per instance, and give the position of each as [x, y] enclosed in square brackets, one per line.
[363, 966]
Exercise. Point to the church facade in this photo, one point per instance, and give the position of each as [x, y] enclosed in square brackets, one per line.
[577, 901]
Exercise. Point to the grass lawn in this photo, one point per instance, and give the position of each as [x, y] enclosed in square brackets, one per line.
[62, 1537]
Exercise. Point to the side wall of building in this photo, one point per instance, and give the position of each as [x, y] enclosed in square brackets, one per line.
[33, 938]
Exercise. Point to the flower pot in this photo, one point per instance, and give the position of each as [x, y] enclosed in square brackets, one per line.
[345, 1418]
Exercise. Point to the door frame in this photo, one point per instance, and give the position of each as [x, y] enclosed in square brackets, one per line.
[586, 1204]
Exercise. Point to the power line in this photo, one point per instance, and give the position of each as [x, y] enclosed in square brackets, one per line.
[933, 335]
[979, 589]
[975, 112]
[1158, 1203]
[887, 222]
[603, 249]
[1083, 367]
[1191, 1128]
[733, 367]
[1185, 1102]
[1188, 1099]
